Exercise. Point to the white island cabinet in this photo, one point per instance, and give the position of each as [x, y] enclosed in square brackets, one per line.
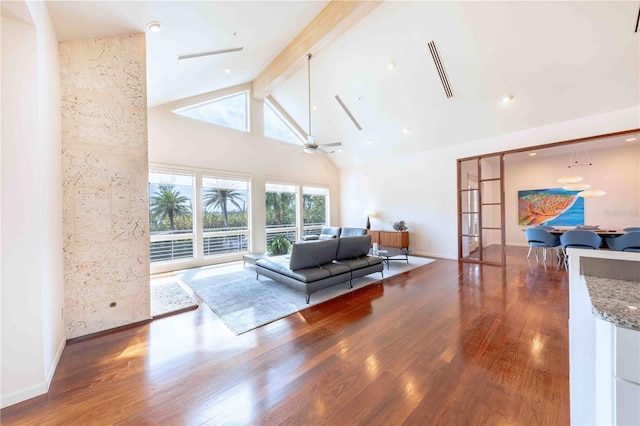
[604, 337]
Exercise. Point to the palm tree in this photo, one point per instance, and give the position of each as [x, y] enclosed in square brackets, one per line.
[167, 202]
[219, 198]
[279, 203]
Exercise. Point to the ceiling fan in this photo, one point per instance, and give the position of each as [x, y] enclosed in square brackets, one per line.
[311, 147]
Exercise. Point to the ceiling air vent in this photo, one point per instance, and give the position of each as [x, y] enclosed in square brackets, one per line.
[440, 69]
[214, 52]
[344, 107]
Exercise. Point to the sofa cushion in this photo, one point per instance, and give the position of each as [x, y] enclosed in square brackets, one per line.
[353, 247]
[331, 230]
[309, 255]
[353, 232]
[353, 264]
[326, 236]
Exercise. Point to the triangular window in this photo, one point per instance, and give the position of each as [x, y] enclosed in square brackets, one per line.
[230, 111]
[276, 126]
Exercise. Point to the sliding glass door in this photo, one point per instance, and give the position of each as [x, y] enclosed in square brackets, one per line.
[481, 225]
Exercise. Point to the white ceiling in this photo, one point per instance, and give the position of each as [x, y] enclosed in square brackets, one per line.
[561, 60]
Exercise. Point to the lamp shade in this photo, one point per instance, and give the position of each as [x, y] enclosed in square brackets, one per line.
[576, 186]
[591, 193]
[569, 179]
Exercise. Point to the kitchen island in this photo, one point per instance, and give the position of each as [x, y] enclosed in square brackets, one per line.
[604, 336]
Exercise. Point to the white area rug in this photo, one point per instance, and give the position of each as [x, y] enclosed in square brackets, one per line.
[243, 303]
[169, 297]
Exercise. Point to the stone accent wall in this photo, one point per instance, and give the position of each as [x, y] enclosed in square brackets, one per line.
[105, 183]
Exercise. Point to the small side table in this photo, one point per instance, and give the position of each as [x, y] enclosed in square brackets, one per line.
[251, 258]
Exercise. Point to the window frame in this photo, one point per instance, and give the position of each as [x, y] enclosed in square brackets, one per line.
[315, 229]
[299, 228]
[285, 118]
[198, 234]
[202, 100]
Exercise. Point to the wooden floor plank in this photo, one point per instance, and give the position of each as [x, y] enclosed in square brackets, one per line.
[446, 343]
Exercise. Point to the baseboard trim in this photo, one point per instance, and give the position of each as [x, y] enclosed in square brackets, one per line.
[24, 394]
[106, 332]
[54, 364]
[431, 255]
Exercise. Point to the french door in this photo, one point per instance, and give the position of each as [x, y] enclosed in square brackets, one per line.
[481, 225]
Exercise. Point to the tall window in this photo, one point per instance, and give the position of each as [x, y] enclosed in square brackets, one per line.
[171, 216]
[315, 205]
[281, 211]
[225, 207]
[229, 111]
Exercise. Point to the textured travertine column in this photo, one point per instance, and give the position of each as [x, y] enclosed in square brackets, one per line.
[105, 179]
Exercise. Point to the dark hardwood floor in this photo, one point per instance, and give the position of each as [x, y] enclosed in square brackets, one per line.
[442, 344]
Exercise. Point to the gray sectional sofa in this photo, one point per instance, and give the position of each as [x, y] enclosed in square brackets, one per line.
[313, 267]
[329, 232]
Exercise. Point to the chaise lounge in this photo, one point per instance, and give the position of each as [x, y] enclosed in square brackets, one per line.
[313, 267]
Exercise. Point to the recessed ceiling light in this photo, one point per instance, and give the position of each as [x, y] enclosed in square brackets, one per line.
[391, 66]
[315, 107]
[533, 154]
[630, 139]
[339, 149]
[227, 70]
[154, 26]
[405, 130]
[369, 141]
[507, 99]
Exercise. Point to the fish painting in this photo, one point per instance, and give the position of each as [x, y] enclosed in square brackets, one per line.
[540, 206]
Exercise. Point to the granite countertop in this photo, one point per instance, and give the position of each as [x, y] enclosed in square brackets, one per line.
[615, 301]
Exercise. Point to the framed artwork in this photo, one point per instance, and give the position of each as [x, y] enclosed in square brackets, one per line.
[555, 207]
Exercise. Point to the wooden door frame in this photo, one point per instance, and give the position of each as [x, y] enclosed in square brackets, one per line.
[502, 155]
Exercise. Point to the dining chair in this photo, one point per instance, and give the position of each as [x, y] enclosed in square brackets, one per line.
[627, 242]
[632, 229]
[579, 238]
[541, 238]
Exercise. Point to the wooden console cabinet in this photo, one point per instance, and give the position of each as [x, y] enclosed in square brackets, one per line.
[390, 238]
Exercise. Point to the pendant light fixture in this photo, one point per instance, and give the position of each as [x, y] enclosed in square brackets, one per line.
[571, 182]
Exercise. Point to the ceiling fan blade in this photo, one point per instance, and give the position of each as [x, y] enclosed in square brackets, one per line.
[331, 144]
[214, 52]
[323, 152]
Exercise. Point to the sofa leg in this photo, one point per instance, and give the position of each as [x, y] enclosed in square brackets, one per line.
[382, 273]
[308, 297]
[350, 284]
[257, 277]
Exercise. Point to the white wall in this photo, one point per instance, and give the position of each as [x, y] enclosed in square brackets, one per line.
[614, 170]
[181, 141]
[421, 188]
[32, 279]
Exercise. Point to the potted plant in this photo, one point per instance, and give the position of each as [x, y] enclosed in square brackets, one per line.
[279, 245]
[400, 226]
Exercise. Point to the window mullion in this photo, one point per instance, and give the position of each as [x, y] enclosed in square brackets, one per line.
[198, 240]
[299, 213]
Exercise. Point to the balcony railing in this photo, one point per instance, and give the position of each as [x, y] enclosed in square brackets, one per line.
[312, 229]
[171, 249]
[288, 232]
[178, 245]
[221, 242]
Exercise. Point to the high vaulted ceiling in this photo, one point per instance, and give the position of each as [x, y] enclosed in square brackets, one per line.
[560, 61]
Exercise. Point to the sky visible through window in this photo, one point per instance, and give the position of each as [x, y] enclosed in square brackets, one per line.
[229, 112]
[275, 127]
